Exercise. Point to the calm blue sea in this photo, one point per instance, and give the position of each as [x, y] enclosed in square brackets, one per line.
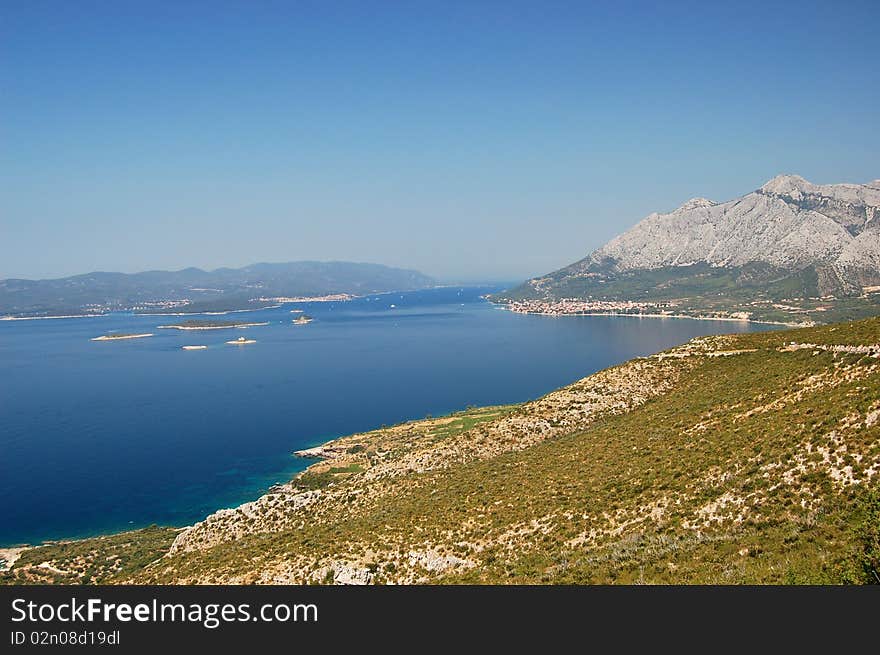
[105, 436]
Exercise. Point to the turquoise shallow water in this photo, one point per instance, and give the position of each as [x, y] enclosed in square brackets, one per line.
[104, 436]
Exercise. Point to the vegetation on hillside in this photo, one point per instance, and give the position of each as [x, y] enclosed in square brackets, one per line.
[89, 561]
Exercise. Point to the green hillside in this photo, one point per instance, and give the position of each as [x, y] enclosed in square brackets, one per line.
[739, 459]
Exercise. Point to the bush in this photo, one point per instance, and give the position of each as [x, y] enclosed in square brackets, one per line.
[863, 564]
[314, 480]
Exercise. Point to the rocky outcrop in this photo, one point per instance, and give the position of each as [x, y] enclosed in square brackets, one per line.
[280, 508]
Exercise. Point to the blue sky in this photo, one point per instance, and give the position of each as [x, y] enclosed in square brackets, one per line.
[470, 140]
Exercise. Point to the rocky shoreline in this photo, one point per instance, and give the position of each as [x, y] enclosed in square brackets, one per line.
[324, 451]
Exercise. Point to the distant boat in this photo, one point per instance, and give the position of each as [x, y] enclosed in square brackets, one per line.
[194, 347]
[393, 306]
[241, 341]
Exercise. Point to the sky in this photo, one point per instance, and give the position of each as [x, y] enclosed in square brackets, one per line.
[470, 140]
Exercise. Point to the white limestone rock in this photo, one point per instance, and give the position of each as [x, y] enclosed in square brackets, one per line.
[788, 223]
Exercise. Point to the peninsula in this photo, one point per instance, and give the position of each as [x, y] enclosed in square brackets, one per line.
[46, 317]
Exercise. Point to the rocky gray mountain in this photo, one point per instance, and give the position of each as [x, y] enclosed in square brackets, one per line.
[788, 223]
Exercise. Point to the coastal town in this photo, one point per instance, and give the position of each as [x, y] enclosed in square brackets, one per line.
[575, 307]
[569, 306]
[332, 297]
[657, 309]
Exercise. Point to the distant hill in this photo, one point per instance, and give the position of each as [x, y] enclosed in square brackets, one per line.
[193, 289]
[790, 240]
[740, 459]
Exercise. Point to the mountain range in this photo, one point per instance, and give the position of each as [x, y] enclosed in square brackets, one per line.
[192, 289]
[789, 240]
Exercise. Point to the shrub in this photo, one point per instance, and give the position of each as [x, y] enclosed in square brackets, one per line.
[862, 566]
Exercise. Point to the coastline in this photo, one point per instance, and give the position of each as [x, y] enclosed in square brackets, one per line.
[315, 452]
[46, 318]
[322, 452]
[633, 315]
[278, 301]
[11, 553]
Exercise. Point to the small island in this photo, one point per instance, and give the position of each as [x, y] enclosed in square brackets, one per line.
[241, 341]
[195, 324]
[302, 320]
[118, 337]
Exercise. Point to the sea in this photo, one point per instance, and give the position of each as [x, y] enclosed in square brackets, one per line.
[104, 436]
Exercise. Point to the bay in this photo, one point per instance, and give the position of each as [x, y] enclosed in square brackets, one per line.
[98, 437]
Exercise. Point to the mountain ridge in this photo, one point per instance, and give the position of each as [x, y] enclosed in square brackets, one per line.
[193, 289]
[714, 236]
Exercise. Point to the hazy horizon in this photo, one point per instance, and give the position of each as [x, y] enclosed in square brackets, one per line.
[440, 281]
[469, 141]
